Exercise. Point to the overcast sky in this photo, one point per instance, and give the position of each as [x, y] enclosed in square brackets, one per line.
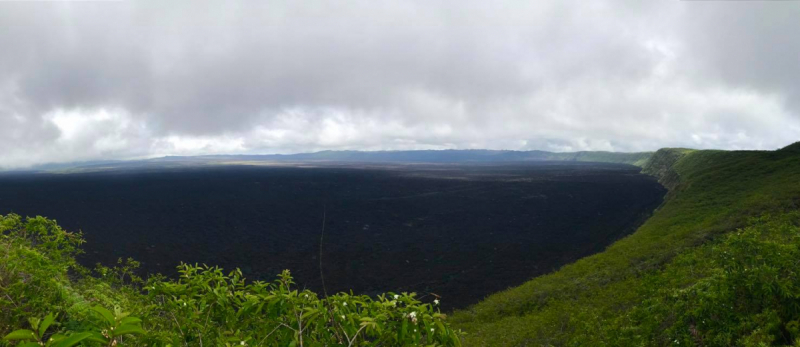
[118, 80]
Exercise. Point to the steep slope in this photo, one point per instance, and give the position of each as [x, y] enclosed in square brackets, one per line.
[795, 147]
[660, 165]
[591, 302]
[637, 159]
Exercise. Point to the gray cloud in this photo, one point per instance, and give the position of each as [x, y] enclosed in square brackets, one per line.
[100, 80]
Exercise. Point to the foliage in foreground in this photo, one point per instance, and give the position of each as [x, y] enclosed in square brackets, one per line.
[40, 278]
[746, 292]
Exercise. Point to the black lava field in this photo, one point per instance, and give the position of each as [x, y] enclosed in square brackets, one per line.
[459, 231]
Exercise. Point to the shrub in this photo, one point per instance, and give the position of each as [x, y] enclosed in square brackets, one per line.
[204, 306]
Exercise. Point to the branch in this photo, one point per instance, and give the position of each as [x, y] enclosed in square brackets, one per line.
[356, 335]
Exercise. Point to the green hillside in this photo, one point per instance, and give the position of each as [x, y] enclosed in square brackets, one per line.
[715, 265]
[636, 158]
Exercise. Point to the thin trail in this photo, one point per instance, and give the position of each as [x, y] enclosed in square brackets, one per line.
[321, 236]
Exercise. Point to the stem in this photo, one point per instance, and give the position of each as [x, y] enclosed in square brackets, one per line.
[176, 322]
[205, 326]
[356, 335]
[270, 333]
[300, 326]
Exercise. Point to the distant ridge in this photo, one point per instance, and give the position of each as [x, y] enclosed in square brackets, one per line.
[469, 155]
[795, 147]
[415, 156]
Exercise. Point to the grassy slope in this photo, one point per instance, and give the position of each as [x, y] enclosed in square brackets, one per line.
[638, 159]
[712, 192]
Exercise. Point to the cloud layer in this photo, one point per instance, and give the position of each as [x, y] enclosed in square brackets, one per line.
[102, 80]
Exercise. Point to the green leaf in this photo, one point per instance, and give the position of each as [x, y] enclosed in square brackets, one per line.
[98, 337]
[403, 330]
[46, 323]
[130, 320]
[128, 329]
[456, 341]
[106, 314]
[34, 321]
[22, 334]
[55, 338]
[73, 340]
[440, 327]
[28, 344]
[309, 313]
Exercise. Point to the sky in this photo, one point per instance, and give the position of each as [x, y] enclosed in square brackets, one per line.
[97, 80]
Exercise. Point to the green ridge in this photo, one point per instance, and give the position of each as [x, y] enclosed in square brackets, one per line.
[713, 194]
[795, 147]
[637, 159]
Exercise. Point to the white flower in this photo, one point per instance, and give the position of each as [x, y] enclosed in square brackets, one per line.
[342, 316]
[241, 343]
[184, 304]
[415, 330]
[396, 296]
[413, 316]
[431, 329]
[345, 304]
[436, 302]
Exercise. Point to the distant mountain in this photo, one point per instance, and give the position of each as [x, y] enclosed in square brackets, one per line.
[455, 156]
[421, 156]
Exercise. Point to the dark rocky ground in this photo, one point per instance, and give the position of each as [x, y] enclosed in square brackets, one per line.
[462, 231]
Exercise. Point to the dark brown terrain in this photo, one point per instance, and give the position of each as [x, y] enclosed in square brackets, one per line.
[461, 231]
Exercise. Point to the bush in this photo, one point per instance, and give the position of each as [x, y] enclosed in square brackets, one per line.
[204, 306]
[748, 297]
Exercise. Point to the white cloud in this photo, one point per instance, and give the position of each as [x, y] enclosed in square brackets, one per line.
[82, 81]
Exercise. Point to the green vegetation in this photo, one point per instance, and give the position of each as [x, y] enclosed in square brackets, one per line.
[715, 265]
[637, 159]
[40, 278]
